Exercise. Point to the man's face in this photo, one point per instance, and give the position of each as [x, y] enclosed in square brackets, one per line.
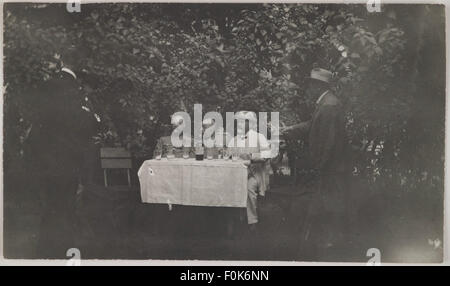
[314, 89]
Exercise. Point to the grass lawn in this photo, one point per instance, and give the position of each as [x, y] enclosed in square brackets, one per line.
[114, 224]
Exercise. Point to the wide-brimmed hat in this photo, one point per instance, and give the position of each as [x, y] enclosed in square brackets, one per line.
[322, 75]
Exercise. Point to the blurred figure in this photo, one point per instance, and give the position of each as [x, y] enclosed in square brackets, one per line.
[325, 220]
[164, 145]
[60, 149]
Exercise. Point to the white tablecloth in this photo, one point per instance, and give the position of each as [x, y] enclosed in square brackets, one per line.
[217, 183]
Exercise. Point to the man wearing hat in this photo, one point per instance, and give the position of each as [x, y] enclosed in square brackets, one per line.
[59, 151]
[325, 133]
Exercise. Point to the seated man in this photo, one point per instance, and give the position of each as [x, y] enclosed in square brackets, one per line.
[165, 147]
[255, 148]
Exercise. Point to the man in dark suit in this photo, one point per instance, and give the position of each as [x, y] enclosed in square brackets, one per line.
[59, 149]
[325, 132]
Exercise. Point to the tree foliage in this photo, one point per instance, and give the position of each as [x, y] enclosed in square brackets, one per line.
[138, 63]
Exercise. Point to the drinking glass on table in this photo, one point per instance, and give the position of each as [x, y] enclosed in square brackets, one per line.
[220, 154]
[209, 153]
[186, 151]
[158, 154]
[170, 154]
[235, 155]
[226, 154]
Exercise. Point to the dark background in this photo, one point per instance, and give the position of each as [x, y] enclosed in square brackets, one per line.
[138, 63]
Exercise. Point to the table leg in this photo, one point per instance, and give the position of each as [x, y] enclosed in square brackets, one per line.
[105, 177]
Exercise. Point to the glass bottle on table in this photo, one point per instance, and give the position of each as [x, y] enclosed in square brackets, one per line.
[186, 148]
[199, 152]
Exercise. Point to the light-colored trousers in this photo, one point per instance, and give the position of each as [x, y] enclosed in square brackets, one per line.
[258, 183]
[252, 189]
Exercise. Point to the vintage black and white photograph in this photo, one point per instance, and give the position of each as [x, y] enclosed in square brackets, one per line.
[292, 132]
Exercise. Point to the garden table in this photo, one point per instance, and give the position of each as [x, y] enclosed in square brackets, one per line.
[213, 183]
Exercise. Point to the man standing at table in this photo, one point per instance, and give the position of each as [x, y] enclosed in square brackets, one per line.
[327, 140]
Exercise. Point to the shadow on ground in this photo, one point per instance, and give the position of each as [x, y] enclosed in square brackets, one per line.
[113, 224]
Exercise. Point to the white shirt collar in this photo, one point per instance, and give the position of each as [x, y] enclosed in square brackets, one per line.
[321, 96]
[69, 71]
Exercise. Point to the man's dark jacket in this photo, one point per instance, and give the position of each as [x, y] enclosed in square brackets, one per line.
[326, 135]
[61, 134]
